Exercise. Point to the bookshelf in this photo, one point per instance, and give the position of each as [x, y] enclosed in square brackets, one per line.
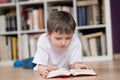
[91, 16]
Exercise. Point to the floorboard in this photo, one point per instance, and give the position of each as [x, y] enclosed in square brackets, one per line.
[106, 70]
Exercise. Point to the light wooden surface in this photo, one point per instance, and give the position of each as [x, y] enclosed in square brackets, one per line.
[107, 70]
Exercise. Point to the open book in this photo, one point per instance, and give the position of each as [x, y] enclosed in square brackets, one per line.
[71, 72]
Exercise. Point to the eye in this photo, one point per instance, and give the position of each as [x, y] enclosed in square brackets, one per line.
[68, 38]
[58, 38]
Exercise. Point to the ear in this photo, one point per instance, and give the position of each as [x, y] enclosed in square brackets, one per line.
[48, 33]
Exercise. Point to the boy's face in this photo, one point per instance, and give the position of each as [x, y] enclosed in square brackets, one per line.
[61, 41]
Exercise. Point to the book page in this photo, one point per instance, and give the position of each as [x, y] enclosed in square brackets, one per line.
[82, 72]
[59, 73]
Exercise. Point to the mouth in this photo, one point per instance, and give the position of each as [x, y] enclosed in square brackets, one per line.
[62, 46]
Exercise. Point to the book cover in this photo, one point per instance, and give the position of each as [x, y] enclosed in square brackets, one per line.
[35, 19]
[14, 45]
[93, 46]
[86, 2]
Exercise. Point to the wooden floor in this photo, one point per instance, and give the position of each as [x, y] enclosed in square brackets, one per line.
[107, 70]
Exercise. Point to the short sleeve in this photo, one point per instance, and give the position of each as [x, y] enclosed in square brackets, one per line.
[76, 51]
[41, 56]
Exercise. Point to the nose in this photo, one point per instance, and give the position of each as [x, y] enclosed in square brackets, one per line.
[63, 42]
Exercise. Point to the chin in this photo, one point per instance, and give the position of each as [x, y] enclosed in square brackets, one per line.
[62, 48]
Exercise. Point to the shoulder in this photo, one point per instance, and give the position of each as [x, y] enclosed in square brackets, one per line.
[43, 37]
[75, 41]
[43, 40]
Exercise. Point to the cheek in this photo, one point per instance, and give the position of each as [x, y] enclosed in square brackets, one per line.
[55, 42]
[68, 42]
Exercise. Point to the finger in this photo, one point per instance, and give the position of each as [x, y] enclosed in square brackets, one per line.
[46, 72]
[87, 67]
[43, 76]
[78, 67]
[48, 69]
[83, 66]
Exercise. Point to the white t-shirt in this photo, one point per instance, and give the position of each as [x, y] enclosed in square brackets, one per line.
[49, 55]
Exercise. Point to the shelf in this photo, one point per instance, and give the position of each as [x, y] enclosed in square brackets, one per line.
[32, 31]
[9, 33]
[21, 7]
[91, 27]
[7, 5]
[59, 0]
[30, 2]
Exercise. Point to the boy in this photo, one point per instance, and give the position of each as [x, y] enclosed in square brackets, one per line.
[59, 47]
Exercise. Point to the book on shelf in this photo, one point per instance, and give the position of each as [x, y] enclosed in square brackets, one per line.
[8, 48]
[85, 48]
[90, 15]
[24, 18]
[7, 1]
[4, 52]
[60, 8]
[72, 72]
[93, 34]
[85, 12]
[81, 16]
[7, 15]
[41, 18]
[11, 21]
[3, 23]
[29, 45]
[15, 51]
[33, 38]
[94, 44]
[25, 46]
[3, 1]
[103, 11]
[10, 1]
[86, 2]
[35, 19]
[32, 19]
[99, 12]
[90, 12]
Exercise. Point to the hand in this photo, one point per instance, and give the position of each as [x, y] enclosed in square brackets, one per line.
[44, 70]
[81, 66]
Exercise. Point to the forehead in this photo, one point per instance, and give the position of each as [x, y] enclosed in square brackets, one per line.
[58, 34]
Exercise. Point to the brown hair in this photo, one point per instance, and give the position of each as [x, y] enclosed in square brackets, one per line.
[61, 21]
